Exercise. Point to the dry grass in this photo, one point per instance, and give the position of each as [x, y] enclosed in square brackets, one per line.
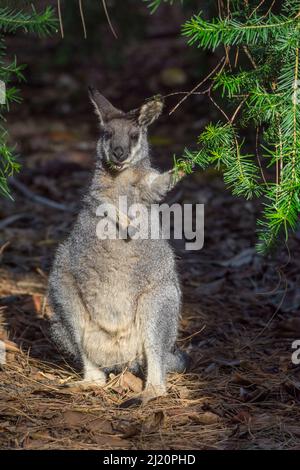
[235, 396]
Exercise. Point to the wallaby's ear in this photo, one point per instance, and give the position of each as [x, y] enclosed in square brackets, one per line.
[150, 111]
[104, 109]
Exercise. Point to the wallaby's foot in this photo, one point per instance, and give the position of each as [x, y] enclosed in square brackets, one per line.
[93, 376]
[153, 391]
[92, 373]
[85, 384]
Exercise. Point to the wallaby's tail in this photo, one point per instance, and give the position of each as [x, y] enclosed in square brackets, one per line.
[178, 361]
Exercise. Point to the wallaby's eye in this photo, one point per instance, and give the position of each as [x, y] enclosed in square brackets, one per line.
[134, 136]
[106, 134]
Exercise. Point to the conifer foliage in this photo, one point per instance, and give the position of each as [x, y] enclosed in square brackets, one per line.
[11, 21]
[259, 77]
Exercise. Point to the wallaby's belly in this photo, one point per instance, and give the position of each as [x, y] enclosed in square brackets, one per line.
[112, 335]
[112, 331]
[110, 350]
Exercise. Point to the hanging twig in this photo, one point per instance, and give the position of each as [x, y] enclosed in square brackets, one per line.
[270, 8]
[236, 56]
[250, 57]
[108, 19]
[82, 18]
[256, 8]
[60, 19]
[258, 157]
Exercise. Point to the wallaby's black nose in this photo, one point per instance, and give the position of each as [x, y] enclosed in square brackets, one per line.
[118, 152]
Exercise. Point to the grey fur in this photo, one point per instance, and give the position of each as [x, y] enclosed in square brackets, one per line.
[117, 303]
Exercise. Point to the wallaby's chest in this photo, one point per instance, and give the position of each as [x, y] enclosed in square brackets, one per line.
[126, 184]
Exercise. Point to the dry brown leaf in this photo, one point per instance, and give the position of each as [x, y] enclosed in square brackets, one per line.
[72, 418]
[153, 422]
[11, 346]
[83, 420]
[127, 428]
[98, 425]
[109, 442]
[40, 435]
[242, 417]
[205, 418]
[47, 375]
[131, 382]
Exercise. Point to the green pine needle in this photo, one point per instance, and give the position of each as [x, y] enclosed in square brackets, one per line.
[12, 20]
[266, 90]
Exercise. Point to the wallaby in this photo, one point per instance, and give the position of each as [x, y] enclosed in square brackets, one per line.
[116, 302]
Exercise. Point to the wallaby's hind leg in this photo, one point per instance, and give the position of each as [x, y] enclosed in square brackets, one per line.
[67, 309]
[66, 326]
[63, 339]
[160, 312]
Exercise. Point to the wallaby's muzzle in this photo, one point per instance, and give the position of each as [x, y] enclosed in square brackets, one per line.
[118, 157]
[119, 154]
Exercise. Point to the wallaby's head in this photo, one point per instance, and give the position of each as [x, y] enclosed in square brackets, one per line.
[123, 136]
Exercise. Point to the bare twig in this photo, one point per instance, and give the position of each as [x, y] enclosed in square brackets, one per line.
[250, 57]
[3, 247]
[256, 8]
[198, 85]
[60, 19]
[236, 57]
[36, 198]
[82, 18]
[258, 157]
[108, 19]
[237, 109]
[270, 8]
[227, 54]
[219, 107]
[185, 93]
[191, 336]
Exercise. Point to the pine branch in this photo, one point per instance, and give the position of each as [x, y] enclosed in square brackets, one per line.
[11, 21]
[231, 32]
[153, 5]
[267, 97]
[41, 24]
